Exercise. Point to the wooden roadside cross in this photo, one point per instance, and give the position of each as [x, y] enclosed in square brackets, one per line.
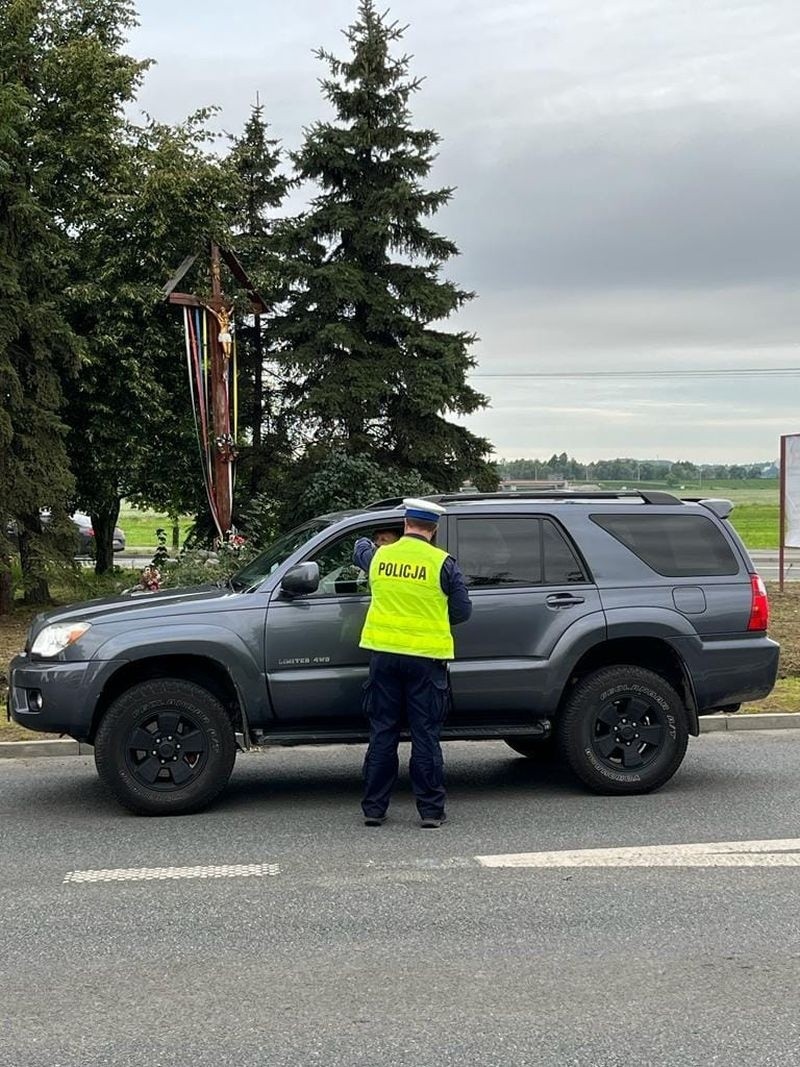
[211, 362]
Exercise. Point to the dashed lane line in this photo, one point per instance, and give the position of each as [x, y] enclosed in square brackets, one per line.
[780, 853]
[784, 852]
[148, 874]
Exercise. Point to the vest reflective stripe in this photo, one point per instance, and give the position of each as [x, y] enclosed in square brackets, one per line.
[408, 611]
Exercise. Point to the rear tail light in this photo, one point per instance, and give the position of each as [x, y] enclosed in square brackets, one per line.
[759, 604]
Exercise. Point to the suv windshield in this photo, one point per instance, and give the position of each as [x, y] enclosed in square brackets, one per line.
[279, 551]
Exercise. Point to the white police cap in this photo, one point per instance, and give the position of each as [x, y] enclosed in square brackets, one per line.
[425, 510]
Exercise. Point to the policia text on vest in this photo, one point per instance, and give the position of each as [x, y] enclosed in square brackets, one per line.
[408, 613]
[417, 593]
[402, 570]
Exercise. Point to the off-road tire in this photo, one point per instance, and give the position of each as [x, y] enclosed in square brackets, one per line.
[191, 712]
[595, 717]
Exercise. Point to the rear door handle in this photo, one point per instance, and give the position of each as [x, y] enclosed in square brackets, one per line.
[564, 600]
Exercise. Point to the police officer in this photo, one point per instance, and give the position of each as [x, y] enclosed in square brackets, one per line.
[418, 592]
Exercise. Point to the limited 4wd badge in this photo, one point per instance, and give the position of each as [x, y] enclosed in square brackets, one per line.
[303, 661]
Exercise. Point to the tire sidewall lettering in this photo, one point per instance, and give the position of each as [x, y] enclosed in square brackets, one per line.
[128, 712]
[601, 768]
[575, 729]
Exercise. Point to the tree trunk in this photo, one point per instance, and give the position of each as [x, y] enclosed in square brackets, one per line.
[258, 405]
[103, 522]
[176, 533]
[36, 590]
[6, 600]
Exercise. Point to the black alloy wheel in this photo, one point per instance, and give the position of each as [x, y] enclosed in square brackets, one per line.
[167, 750]
[165, 747]
[629, 732]
[623, 730]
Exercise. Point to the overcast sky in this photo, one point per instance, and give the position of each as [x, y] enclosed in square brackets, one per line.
[628, 178]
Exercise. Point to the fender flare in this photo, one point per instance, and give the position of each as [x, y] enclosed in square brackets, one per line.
[203, 641]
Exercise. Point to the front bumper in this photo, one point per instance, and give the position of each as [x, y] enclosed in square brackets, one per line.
[55, 697]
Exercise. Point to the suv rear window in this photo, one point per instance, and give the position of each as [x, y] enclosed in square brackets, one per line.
[677, 546]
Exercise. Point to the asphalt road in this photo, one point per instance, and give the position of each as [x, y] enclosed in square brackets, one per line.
[767, 564]
[393, 946]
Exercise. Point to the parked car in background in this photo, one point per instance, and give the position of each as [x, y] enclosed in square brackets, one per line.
[86, 535]
[84, 530]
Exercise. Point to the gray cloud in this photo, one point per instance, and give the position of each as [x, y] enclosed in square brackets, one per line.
[686, 198]
[627, 192]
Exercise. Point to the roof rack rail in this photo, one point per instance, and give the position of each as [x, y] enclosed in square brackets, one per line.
[650, 496]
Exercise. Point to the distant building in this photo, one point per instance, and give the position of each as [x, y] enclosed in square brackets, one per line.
[772, 471]
[529, 485]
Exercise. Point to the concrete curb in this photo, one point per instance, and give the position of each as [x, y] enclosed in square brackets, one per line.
[709, 724]
[48, 747]
[777, 720]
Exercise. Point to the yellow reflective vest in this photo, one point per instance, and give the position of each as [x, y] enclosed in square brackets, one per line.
[408, 612]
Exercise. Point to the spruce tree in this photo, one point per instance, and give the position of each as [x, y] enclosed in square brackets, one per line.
[259, 187]
[374, 370]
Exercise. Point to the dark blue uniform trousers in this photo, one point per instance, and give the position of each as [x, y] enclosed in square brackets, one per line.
[404, 690]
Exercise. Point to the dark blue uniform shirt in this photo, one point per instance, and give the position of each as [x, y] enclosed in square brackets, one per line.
[459, 606]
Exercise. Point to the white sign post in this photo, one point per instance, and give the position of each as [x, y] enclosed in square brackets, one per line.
[790, 497]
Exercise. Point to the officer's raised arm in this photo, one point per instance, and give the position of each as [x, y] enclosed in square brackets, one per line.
[454, 587]
[363, 553]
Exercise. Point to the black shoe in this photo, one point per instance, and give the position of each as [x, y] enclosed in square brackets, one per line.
[432, 822]
[374, 820]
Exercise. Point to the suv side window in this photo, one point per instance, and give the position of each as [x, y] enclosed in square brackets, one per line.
[338, 576]
[677, 546]
[561, 565]
[502, 552]
[496, 552]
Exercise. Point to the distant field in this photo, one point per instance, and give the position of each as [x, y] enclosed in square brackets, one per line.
[757, 524]
[755, 515]
[140, 527]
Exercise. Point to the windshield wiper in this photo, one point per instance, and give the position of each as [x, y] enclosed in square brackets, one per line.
[229, 583]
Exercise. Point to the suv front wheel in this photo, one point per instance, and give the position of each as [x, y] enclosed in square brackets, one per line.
[623, 730]
[165, 747]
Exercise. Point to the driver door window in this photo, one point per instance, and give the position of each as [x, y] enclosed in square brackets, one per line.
[338, 575]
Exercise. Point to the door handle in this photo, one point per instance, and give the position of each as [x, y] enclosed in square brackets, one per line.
[564, 600]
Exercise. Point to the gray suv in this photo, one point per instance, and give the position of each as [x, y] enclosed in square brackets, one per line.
[603, 624]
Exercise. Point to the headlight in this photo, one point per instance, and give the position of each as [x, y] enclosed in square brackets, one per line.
[54, 639]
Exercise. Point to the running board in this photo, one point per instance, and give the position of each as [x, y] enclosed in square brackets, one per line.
[262, 738]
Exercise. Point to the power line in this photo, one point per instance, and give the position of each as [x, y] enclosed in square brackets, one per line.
[737, 372]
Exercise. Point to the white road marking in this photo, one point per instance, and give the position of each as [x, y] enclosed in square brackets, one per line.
[145, 874]
[781, 853]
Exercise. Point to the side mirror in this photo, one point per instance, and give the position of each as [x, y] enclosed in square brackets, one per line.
[301, 580]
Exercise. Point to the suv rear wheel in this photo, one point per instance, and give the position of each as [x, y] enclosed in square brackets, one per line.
[165, 747]
[623, 730]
